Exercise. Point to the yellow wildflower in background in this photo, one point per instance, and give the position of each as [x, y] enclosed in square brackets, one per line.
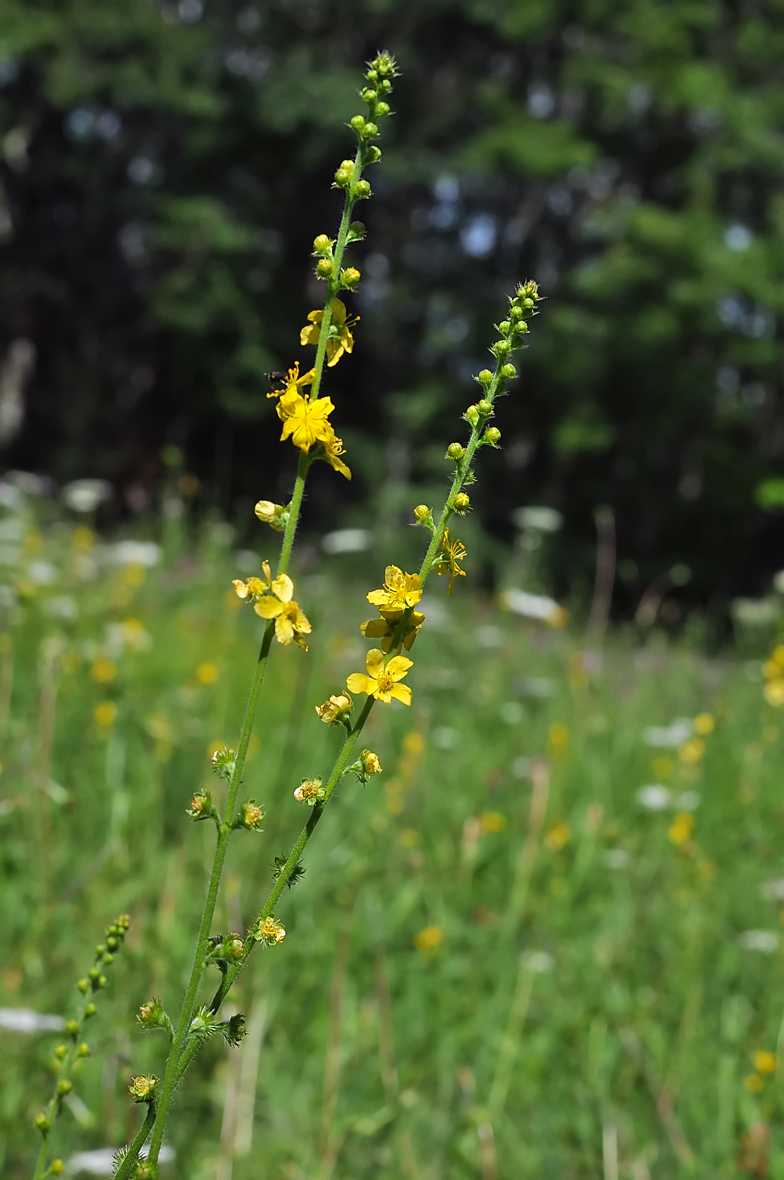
[557, 738]
[292, 382]
[753, 1083]
[558, 836]
[385, 627]
[103, 671]
[774, 693]
[382, 682]
[340, 339]
[452, 551]
[765, 1062]
[692, 751]
[105, 714]
[773, 670]
[681, 828]
[207, 674]
[399, 591]
[290, 621]
[704, 723]
[429, 938]
[492, 821]
[83, 538]
[134, 574]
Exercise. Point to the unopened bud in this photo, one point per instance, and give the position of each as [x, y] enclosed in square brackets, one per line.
[41, 1121]
[472, 415]
[143, 1087]
[60, 1052]
[349, 278]
[501, 348]
[369, 131]
[492, 435]
[72, 1028]
[89, 1010]
[373, 154]
[382, 109]
[324, 268]
[485, 377]
[357, 123]
[84, 986]
[455, 451]
[322, 244]
[64, 1087]
[421, 513]
[485, 407]
[83, 1050]
[57, 1167]
[462, 502]
[504, 327]
[362, 190]
[508, 371]
[369, 96]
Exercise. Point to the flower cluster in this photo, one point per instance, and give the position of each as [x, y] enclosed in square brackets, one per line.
[310, 791]
[273, 598]
[268, 931]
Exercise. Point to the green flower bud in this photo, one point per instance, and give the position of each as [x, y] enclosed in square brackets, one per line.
[472, 415]
[384, 64]
[324, 268]
[41, 1121]
[362, 190]
[516, 312]
[528, 303]
[322, 244]
[349, 278]
[462, 502]
[356, 231]
[369, 96]
[508, 371]
[521, 328]
[369, 131]
[57, 1167]
[455, 451]
[504, 327]
[485, 407]
[372, 76]
[108, 958]
[89, 1010]
[357, 123]
[492, 435]
[61, 1052]
[485, 377]
[385, 86]
[382, 109]
[64, 1087]
[421, 513]
[83, 1050]
[373, 154]
[84, 986]
[72, 1028]
[501, 348]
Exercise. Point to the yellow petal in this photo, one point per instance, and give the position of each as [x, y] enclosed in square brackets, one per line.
[338, 313]
[301, 623]
[374, 628]
[377, 597]
[240, 588]
[392, 572]
[284, 631]
[268, 608]
[398, 667]
[265, 569]
[401, 692]
[283, 588]
[359, 682]
[374, 662]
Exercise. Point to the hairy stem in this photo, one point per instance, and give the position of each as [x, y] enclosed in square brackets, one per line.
[132, 1154]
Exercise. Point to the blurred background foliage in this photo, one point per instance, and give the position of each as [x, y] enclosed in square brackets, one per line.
[165, 167]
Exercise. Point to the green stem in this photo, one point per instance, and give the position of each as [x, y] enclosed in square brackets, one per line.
[133, 1151]
[294, 510]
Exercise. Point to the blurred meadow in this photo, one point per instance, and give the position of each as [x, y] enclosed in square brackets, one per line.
[546, 942]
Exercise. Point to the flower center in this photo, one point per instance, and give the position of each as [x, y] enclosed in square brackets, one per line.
[385, 682]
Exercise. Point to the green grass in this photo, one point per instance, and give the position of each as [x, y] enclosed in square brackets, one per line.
[575, 1019]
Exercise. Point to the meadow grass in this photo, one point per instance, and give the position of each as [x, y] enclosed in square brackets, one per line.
[499, 963]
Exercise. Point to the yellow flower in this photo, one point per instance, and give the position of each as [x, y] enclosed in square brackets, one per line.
[681, 828]
[103, 671]
[492, 821]
[305, 421]
[774, 692]
[765, 1062]
[105, 714]
[309, 791]
[333, 449]
[430, 937]
[692, 750]
[269, 932]
[704, 723]
[254, 587]
[339, 340]
[292, 382]
[452, 551]
[385, 627]
[290, 621]
[558, 836]
[382, 682]
[335, 709]
[753, 1083]
[398, 592]
[370, 763]
[143, 1087]
[207, 674]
